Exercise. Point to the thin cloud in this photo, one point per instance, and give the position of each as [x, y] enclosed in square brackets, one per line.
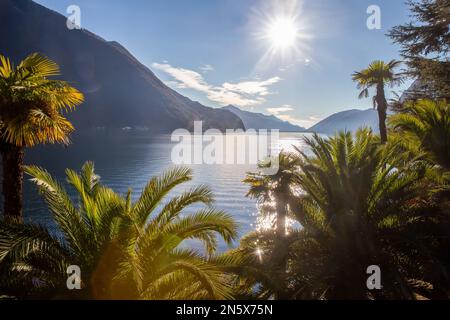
[278, 110]
[185, 79]
[241, 94]
[227, 97]
[206, 68]
[252, 87]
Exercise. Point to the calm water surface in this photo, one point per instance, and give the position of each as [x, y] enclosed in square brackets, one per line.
[129, 159]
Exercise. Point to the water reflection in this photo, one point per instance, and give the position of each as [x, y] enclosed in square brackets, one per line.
[130, 159]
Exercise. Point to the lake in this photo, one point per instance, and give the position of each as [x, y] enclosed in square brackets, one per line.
[128, 159]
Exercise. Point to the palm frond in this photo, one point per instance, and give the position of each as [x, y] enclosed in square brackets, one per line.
[157, 189]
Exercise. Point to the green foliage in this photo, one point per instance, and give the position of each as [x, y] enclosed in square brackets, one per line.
[429, 33]
[352, 190]
[274, 188]
[125, 249]
[32, 108]
[425, 45]
[378, 75]
[359, 204]
[427, 124]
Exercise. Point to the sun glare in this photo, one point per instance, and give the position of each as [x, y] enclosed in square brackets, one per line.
[283, 33]
[283, 30]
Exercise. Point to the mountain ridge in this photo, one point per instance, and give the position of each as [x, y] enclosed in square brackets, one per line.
[349, 120]
[253, 120]
[119, 90]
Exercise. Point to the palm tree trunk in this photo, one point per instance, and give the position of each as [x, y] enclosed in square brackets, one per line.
[382, 124]
[12, 157]
[382, 109]
[281, 220]
[280, 248]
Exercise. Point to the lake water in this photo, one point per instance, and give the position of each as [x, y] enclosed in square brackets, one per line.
[129, 159]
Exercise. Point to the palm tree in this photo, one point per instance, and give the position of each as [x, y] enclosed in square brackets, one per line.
[274, 194]
[427, 122]
[352, 212]
[125, 249]
[352, 201]
[422, 128]
[258, 273]
[276, 188]
[378, 75]
[154, 259]
[31, 107]
[85, 229]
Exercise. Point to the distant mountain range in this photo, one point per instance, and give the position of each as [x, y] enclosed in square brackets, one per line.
[119, 90]
[258, 121]
[349, 120]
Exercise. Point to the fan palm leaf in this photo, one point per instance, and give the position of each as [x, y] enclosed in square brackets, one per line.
[378, 75]
[32, 108]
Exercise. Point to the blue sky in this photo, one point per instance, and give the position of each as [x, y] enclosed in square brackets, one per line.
[219, 52]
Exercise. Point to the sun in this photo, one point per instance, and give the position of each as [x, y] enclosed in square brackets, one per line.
[282, 30]
[282, 33]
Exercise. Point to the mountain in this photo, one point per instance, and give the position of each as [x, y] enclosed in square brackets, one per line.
[349, 120]
[257, 121]
[119, 90]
